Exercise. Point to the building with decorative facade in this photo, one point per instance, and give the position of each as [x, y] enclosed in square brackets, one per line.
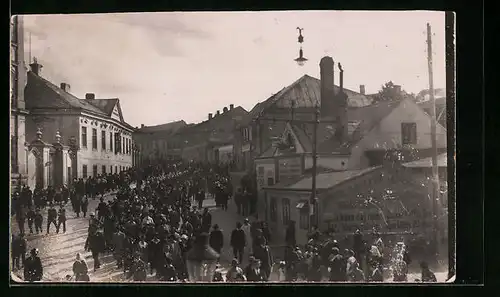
[93, 131]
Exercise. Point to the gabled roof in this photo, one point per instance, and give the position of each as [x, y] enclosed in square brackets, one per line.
[361, 119]
[440, 109]
[41, 93]
[304, 92]
[106, 105]
[167, 128]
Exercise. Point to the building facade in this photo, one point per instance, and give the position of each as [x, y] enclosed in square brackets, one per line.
[267, 120]
[94, 130]
[18, 111]
[210, 141]
[156, 143]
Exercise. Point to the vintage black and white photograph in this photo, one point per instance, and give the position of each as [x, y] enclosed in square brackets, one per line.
[194, 147]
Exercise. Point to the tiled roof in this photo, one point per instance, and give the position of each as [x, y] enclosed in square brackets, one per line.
[324, 180]
[305, 93]
[363, 118]
[442, 161]
[106, 105]
[168, 127]
[41, 93]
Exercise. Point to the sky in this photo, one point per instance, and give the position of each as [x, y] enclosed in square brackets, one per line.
[181, 66]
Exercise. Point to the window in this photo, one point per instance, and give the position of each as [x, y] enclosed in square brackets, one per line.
[122, 145]
[409, 133]
[285, 203]
[270, 181]
[110, 169]
[304, 220]
[103, 169]
[111, 141]
[116, 169]
[103, 140]
[84, 136]
[94, 139]
[94, 170]
[273, 210]
[84, 171]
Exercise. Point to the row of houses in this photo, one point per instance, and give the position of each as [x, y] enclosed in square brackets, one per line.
[357, 144]
[56, 136]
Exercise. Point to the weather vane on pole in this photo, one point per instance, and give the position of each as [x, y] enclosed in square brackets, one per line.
[300, 60]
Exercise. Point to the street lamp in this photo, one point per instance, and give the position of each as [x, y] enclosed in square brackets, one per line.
[300, 60]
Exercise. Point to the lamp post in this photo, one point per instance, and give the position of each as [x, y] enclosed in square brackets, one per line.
[301, 60]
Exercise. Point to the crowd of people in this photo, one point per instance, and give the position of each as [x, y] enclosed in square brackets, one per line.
[156, 218]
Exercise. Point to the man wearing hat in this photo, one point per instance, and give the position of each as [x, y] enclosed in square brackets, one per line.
[216, 239]
[51, 218]
[253, 272]
[33, 270]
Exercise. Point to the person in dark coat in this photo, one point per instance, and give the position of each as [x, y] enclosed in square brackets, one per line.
[18, 250]
[253, 272]
[206, 220]
[96, 245]
[30, 215]
[80, 269]
[20, 217]
[76, 203]
[33, 270]
[119, 246]
[51, 218]
[38, 221]
[84, 203]
[216, 239]
[238, 242]
[102, 209]
[61, 219]
[337, 266]
[200, 196]
[262, 252]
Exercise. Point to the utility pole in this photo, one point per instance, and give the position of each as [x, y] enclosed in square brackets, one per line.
[314, 217]
[435, 173]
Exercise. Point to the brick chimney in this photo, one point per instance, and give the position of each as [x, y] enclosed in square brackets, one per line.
[210, 116]
[340, 110]
[35, 67]
[90, 96]
[327, 80]
[224, 110]
[218, 112]
[362, 89]
[231, 106]
[65, 87]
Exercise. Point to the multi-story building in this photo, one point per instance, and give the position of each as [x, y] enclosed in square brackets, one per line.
[210, 141]
[155, 143]
[17, 111]
[267, 119]
[94, 127]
